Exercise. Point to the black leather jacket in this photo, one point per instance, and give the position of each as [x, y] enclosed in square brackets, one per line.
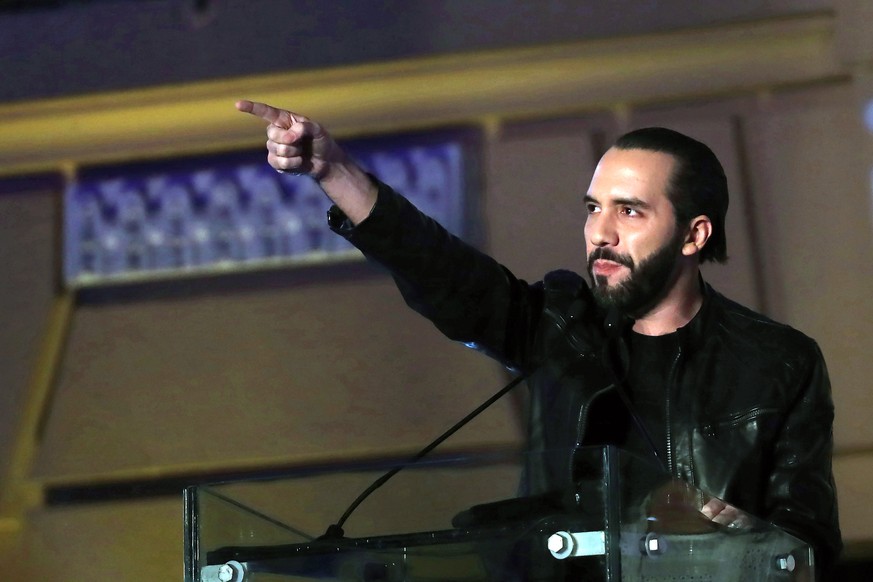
[749, 411]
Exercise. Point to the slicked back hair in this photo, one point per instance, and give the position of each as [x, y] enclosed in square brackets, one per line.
[698, 184]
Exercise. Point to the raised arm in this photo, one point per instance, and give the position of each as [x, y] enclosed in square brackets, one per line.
[468, 295]
[298, 145]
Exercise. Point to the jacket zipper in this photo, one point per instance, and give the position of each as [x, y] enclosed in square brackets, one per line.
[712, 429]
[671, 381]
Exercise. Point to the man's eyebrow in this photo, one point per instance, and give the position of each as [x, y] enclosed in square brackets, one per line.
[631, 201]
[623, 201]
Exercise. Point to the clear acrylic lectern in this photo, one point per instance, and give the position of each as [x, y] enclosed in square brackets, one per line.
[496, 516]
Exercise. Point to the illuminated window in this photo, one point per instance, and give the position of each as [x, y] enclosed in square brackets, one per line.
[232, 212]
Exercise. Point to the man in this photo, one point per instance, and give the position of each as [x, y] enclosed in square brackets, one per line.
[726, 399]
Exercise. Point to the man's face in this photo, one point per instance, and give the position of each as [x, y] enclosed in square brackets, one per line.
[632, 239]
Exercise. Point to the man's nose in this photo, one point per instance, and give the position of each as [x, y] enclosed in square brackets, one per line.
[602, 231]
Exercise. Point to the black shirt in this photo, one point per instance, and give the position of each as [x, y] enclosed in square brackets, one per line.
[651, 360]
[644, 377]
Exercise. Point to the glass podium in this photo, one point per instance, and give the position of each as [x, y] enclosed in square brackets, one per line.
[497, 516]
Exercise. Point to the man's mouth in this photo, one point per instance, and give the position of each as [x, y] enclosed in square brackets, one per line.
[606, 268]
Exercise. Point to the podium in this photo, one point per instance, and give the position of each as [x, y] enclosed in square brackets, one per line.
[596, 513]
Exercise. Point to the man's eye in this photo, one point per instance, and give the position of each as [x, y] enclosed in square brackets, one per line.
[592, 208]
[628, 211]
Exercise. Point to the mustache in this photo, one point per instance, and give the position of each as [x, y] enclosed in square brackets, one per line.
[609, 255]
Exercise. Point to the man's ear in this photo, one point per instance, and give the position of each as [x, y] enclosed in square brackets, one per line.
[699, 231]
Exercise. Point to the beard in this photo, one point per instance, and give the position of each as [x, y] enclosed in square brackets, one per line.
[644, 286]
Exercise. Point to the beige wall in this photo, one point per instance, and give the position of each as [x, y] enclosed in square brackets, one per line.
[337, 368]
[27, 262]
[334, 367]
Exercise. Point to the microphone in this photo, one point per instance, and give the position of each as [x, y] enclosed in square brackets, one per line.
[335, 531]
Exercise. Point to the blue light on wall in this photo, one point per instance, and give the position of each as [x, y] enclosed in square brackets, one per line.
[868, 116]
[868, 122]
[233, 212]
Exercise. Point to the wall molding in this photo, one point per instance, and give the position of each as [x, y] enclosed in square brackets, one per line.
[529, 83]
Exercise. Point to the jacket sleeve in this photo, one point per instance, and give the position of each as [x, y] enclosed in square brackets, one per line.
[468, 296]
[802, 493]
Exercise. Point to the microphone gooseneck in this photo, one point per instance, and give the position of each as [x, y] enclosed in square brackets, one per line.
[613, 326]
[335, 531]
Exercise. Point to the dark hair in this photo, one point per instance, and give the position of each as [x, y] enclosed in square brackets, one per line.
[698, 185]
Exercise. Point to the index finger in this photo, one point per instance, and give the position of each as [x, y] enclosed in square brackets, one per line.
[266, 112]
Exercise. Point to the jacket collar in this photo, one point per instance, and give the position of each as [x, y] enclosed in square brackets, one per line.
[693, 334]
